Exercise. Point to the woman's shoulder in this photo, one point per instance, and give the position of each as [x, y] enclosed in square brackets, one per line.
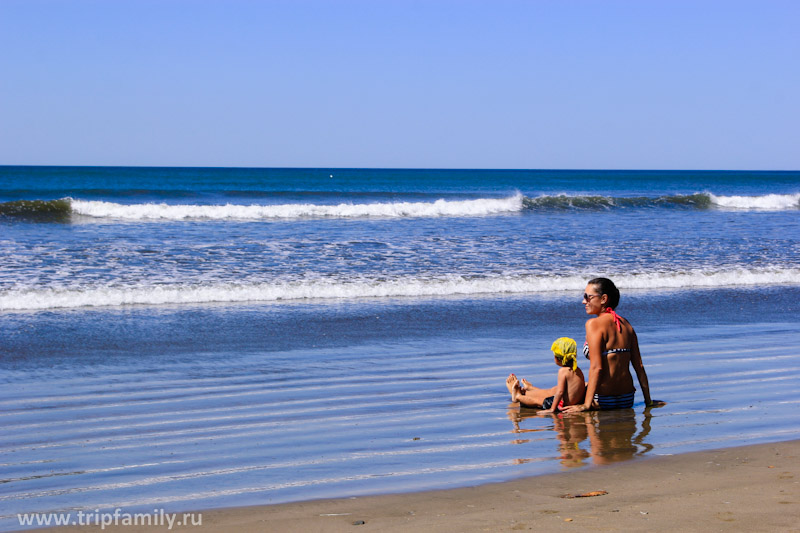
[604, 320]
[594, 323]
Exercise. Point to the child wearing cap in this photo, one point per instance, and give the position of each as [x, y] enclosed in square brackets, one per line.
[570, 386]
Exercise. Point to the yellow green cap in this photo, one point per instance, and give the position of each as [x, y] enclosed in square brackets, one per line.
[566, 349]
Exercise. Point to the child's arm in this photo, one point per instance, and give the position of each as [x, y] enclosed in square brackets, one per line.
[561, 386]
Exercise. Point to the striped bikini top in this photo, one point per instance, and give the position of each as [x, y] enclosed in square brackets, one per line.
[617, 322]
[613, 350]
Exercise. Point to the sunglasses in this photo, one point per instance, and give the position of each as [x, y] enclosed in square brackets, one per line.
[588, 297]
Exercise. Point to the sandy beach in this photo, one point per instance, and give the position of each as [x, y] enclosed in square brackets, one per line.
[750, 488]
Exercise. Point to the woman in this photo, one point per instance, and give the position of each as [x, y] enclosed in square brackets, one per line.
[611, 347]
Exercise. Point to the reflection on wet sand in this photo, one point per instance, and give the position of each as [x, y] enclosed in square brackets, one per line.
[604, 436]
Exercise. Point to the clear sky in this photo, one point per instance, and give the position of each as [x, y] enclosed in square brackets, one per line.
[633, 84]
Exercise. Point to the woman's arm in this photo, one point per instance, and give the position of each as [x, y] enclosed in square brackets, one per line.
[638, 367]
[594, 338]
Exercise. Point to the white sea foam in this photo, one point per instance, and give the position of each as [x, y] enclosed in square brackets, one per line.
[768, 202]
[439, 208]
[36, 299]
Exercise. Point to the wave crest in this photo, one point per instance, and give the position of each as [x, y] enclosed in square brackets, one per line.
[177, 294]
[769, 202]
[566, 201]
[439, 208]
[64, 209]
[38, 210]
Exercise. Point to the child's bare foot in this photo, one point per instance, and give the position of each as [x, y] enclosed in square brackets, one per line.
[513, 386]
[526, 384]
[511, 382]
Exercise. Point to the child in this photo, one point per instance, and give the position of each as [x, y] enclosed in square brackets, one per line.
[570, 386]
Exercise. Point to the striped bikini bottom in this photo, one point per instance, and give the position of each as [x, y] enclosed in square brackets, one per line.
[622, 401]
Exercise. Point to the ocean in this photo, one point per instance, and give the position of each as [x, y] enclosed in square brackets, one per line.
[188, 338]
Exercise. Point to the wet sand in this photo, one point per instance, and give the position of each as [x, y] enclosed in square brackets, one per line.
[751, 488]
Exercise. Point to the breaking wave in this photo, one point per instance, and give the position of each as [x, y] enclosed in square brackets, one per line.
[177, 294]
[768, 202]
[439, 208]
[38, 210]
[771, 202]
[65, 209]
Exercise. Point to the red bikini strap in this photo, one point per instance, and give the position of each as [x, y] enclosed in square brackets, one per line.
[616, 318]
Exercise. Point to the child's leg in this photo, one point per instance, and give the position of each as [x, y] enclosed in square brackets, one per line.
[534, 396]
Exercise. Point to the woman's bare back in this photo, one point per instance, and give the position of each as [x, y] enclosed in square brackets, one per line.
[616, 349]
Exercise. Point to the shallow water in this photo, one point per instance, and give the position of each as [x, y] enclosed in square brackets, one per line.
[194, 408]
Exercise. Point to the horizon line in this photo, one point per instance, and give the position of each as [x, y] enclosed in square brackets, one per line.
[488, 169]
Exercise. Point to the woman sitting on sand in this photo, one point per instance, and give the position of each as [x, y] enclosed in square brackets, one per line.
[570, 386]
[611, 347]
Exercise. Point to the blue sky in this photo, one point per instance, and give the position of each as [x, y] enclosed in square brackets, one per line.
[633, 84]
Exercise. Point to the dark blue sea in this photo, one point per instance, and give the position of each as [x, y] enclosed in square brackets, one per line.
[187, 338]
